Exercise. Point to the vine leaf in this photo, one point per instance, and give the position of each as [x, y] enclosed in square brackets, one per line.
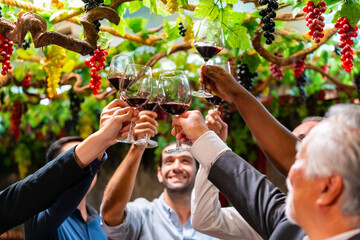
[252, 61]
[225, 15]
[297, 8]
[206, 9]
[134, 6]
[137, 24]
[172, 30]
[238, 37]
[231, 1]
[351, 11]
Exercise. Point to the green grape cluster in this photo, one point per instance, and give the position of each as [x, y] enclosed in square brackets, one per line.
[189, 34]
[53, 68]
[172, 6]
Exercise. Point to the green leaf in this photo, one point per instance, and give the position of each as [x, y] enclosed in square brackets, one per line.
[134, 6]
[238, 37]
[292, 2]
[252, 61]
[225, 15]
[137, 24]
[206, 9]
[171, 29]
[237, 17]
[231, 1]
[351, 12]
[121, 27]
[336, 17]
[69, 66]
[297, 8]
[104, 39]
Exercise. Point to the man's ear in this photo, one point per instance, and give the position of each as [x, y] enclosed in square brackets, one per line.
[331, 190]
[159, 176]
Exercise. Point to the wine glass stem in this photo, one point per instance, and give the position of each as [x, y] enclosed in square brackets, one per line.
[215, 108]
[131, 130]
[203, 84]
[178, 144]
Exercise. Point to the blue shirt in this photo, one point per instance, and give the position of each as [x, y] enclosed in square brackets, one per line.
[63, 220]
[154, 220]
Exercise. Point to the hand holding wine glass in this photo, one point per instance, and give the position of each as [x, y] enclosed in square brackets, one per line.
[174, 97]
[215, 100]
[208, 41]
[136, 87]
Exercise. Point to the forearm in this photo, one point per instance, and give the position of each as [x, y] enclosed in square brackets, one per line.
[91, 148]
[119, 189]
[277, 142]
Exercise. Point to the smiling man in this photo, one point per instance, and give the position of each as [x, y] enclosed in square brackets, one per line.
[166, 217]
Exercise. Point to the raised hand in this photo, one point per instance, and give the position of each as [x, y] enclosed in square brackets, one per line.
[115, 120]
[216, 124]
[146, 125]
[189, 126]
[219, 81]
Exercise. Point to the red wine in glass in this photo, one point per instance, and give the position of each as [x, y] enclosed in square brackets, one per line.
[136, 101]
[115, 80]
[127, 81]
[151, 106]
[174, 108]
[207, 51]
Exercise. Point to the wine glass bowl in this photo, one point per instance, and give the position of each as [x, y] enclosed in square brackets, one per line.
[136, 89]
[117, 69]
[208, 41]
[174, 96]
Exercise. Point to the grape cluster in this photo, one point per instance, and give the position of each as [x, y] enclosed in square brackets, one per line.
[189, 34]
[172, 6]
[357, 84]
[346, 32]
[53, 68]
[91, 4]
[267, 15]
[314, 20]
[75, 107]
[16, 120]
[276, 70]
[57, 4]
[96, 62]
[244, 76]
[0, 12]
[299, 66]
[26, 82]
[26, 44]
[182, 30]
[6, 49]
[300, 83]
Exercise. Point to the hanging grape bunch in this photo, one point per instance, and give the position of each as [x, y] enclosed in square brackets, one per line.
[186, 33]
[182, 30]
[26, 82]
[357, 84]
[172, 6]
[91, 4]
[75, 107]
[6, 49]
[53, 68]
[299, 66]
[96, 62]
[267, 15]
[0, 12]
[300, 83]
[245, 77]
[346, 32]
[16, 120]
[276, 70]
[314, 20]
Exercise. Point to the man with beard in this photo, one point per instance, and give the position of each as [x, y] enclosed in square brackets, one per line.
[166, 217]
[324, 195]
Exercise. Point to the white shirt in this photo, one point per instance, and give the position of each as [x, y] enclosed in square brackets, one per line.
[209, 218]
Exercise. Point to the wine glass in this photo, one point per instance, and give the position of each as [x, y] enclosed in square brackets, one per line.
[136, 89]
[174, 97]
[208, 41]
[151, 105]
[117, 68]
[215, 100]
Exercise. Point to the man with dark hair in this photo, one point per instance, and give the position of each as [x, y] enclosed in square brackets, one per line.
[42, 188]
[166, 217]
[70, 217]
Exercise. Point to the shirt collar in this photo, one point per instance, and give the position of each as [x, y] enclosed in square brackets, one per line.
[92, 214]
[341, 236]
[171, 214]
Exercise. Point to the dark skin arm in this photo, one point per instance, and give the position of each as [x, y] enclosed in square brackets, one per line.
[275, 140]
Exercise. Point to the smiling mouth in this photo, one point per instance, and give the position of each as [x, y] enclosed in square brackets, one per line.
[177, 177]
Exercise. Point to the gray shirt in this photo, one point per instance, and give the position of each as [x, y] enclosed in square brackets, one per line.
[154, 220]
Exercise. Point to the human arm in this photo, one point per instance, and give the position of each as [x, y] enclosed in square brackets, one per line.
[275, 140]
[44, 224]
[58, 175]
[254, 197]
[119, 189]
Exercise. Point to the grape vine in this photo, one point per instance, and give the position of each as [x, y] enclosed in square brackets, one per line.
[267, 16]
[26, 82]
[300, 83]
[96, 62]
[53, 68]
[16, 120]
[91, 4]
[6, 49]
[245, 77]
[346, 32]
[276, 70]
[315, 22]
